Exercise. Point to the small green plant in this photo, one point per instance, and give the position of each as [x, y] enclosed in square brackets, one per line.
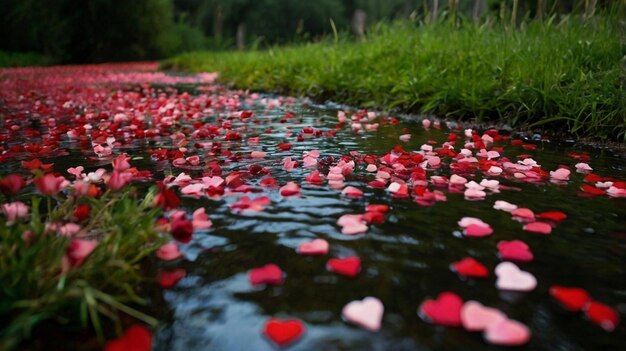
[20, 59]
[80, 278]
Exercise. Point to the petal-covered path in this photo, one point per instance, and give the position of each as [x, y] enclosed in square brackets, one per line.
[327, 228]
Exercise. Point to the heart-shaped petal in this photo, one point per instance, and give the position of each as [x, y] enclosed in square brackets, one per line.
[268, 274]
[510, 277]
[352, 224]
[349, 266]
[504, 206]
[524, 213]
[538, 227]
[137, 337]
[476, 317]
[572, 299]
[290, 189]
[467, 221]
[167, 279]
[315, 247]
[366, 313]
[602, 315]
[283, 332]
[352, 192]
[552, 215]
[560, 174]
[445, 310]
[477, 230]
[469, 267]
[514, 250]
[168, 252]
[507, 333]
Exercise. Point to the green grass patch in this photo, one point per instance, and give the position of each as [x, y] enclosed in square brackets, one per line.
[40, 286]
[22, 59]
[565, 75]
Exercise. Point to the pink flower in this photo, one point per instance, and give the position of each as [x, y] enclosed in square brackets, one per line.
[561, 174]
[120, 163]
[14, 211]
[78, 250]
[77, 172]
[118, 180]
[49, 184]
[200, 219]
[193, 160]
[583, 167]
[69, 229]
[169, 252]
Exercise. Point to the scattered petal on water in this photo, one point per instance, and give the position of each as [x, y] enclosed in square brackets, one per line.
[367, 313]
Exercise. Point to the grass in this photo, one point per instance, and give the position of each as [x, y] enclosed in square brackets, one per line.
[566, 75]
[36, 290]
[22, 59]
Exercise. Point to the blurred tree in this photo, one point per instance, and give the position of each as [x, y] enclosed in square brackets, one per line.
[116, 29]
[105, 30]
[28, 25]
[87, 31]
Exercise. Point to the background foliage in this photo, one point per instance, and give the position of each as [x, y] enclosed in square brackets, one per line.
[80, 31]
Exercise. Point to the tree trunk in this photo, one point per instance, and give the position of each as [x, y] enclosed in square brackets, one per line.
[241, 36]
[435, 12]
[452, 4]
[541, 9]
[478, 9]
[514, 13]
[590, 8]
[358, 23]
[409, 8]
[218, 22]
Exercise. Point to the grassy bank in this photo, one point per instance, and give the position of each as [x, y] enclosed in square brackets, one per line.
[22, 59]
[86, 278]
[566, 75]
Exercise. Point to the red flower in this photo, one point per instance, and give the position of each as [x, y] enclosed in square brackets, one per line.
[182, 230]
[49, 184]
[82, 211]
[166, 198]
[136, 338]
[167, 279]
[11, 184]
[118, 180]
[36, 164]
